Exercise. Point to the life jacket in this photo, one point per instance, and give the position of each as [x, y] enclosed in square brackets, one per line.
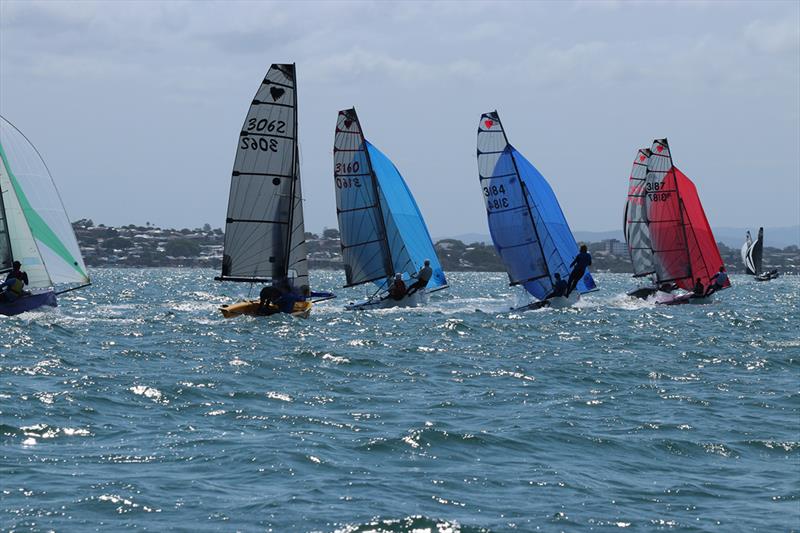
[17, 287]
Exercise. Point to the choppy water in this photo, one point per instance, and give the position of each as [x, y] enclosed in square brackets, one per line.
[136, 406]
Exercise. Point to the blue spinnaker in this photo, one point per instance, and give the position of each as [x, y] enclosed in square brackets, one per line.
[408, 238]
[527, 225]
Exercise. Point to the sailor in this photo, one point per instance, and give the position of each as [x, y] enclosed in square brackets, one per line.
[423, 277]
[699, 290]
[559, 287]
[581, 262]
[719, 280]
[397, 290]
[16, 272]
[269, 295]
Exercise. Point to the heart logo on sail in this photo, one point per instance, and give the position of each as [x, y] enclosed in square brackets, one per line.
[488, 123]
[276, 93]
[642, 158]
[348, 123]
[659, 149]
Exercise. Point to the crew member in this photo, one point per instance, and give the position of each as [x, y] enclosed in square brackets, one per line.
[559, 287]
[423, 277]
[719, 280]
[581, 262]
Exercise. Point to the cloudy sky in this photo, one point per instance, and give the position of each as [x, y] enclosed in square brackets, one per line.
[136, 106]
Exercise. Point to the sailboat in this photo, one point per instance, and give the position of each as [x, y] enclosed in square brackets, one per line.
[34, 227]
[381, 228]
[528, 228]
[682, 246]
[752, 252]
[264, 233]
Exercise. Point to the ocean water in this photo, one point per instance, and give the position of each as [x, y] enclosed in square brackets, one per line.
[135, 406]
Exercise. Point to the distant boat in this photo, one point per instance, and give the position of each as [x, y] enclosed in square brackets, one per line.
[34, 227]
[682, 247]
[381, 228]
[528, 228]
[752, 253]
[264, 233]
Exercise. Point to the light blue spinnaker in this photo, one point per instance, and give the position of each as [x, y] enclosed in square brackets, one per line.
[382, 229]
[527, 225]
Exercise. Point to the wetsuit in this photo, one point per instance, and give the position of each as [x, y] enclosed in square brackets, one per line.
[719, 279]
[559, 289]
[699, 290]
[581, 262]
[398, 290]
[423, 277]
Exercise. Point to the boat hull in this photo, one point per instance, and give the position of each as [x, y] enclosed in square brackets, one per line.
[252, 308]
[415, 300]
[557, 302]
[689, 299]
[767, 276]
[643, 293]
[28, 303]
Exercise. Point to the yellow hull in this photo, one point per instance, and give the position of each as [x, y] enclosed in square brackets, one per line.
[250, 307]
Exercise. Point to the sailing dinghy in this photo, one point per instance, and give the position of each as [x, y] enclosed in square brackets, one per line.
[34, 227]
[682, 245]
[264, 232]
[752, 252]
[381, 228]
[528, 228]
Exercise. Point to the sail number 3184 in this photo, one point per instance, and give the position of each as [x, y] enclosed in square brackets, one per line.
[495, 197]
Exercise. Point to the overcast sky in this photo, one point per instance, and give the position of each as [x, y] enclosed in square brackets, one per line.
[137, 106]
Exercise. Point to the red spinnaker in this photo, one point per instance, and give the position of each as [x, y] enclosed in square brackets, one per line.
[703, 251]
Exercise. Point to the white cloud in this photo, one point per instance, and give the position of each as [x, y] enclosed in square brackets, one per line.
[774, 37]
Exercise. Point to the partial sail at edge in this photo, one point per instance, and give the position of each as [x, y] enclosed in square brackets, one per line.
[637, 233]
[39, 232]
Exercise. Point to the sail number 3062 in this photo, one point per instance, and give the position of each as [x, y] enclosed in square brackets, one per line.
[495, 197]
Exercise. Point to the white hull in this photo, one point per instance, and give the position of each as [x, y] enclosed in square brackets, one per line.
[688, 298]
[417, 299]
[557, 302]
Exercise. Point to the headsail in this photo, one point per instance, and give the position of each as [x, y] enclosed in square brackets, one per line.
[529, 230]
[382, 230]
[38, 231]
[264, 233]
[637, 234]
[752, 253]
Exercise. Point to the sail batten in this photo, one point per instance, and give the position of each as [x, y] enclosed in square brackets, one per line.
[528, 228]
[264, 230]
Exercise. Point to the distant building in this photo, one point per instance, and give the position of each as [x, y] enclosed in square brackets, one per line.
[615, 247]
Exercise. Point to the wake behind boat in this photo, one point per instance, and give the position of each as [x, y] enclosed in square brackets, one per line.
[264, 230]
[384, 239]
[528, 228]
[667, 231]
[36, 238]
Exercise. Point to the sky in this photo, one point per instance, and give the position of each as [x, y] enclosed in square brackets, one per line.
[136, 107]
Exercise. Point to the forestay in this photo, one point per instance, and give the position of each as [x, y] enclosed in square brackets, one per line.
[35, 227]
[637, 233]
[381, 227]
[264, 233]
[528, 228]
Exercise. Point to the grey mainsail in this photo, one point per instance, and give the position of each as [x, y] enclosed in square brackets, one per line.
[637, 233]
[5, 240]
[264, 233]
[365, 249]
